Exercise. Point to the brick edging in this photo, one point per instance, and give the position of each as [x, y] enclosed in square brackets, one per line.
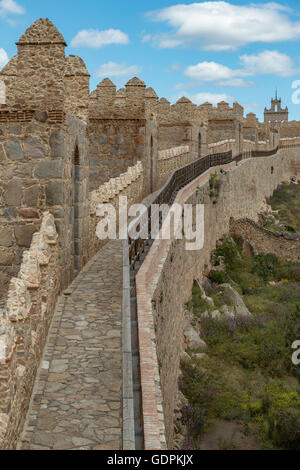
[146, 281]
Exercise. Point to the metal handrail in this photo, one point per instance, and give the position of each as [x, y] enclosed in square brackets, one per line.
[179, 178]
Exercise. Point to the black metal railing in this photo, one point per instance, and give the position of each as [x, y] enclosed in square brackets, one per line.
[179, 178]
[264, 153]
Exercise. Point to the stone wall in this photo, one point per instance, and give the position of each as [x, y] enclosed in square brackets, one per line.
[169, 160]
[285, 246]
[40, 67]
[114, 145]
[2, 92]
[130, 184]
[77, 87]
[170, 269]
[38, 172]
[182, 124]
[289, 141]
[24, 325]
[222, 146]
[122, 131]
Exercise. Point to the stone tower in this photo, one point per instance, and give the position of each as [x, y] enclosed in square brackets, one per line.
[43, 150]
[276, 114]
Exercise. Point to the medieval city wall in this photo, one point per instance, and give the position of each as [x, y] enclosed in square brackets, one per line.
[24, 325]
[242, 193]
[169, 160]
[285, 246]
[37, 173]
[130, 185]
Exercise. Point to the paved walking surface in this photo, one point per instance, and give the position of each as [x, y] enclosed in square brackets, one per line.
[77, 398]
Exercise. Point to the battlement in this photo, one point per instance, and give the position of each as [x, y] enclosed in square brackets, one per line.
[251, 120]
[135, 101]
[40, 76]
[222, 111]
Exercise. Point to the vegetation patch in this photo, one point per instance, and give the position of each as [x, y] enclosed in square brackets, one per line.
[286, 201]
[248, 376]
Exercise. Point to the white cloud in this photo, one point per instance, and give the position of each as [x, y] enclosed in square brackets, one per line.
[3, 58]
[266, 62]
[237, 82]
[97, 39]
[221, 26]
[269, 62]
[210, 71]
[10, 7]
[112, 69]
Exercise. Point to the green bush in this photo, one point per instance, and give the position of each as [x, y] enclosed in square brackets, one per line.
[218, 277]
[229, 251]
[265, 265]
[283, 428]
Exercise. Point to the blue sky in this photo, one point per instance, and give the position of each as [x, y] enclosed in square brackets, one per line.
[209, 51]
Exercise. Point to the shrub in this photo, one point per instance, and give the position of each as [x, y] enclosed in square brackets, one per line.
[265, 265]
[283, 428]
[194, 418]
[218, 277]
[229, 251]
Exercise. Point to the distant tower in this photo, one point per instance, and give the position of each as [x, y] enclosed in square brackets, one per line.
[276, 115]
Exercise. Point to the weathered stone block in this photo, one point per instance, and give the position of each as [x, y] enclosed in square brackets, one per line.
[14, 128]
[6, 237]
[6, 258]
[2, 155]
[23, 234]
[41, 116]
[57, 144]
[48, 169]
[13, 196]
[102, 139]
[14, 150]
[31, 196]
[33, 148]
[78, 192]
[94, 161]
[29, 213]
[55, 193]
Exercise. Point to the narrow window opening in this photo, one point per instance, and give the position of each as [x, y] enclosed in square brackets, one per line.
[76, 156]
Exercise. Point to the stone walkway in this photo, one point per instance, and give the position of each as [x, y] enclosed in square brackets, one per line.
[77, 401]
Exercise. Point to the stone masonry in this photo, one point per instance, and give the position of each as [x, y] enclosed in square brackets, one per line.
[63, 151]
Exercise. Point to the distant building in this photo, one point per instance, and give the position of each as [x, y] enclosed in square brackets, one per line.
[276, 115]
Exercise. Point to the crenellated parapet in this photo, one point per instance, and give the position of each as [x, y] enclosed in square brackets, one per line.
[129, 184]
[41, 77]
[222, 111]
[77, 87]
[135, 101]
[171, 159]
[30, 304]
[224, 123]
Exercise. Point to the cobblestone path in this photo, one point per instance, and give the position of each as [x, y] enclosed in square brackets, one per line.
[77, 398]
